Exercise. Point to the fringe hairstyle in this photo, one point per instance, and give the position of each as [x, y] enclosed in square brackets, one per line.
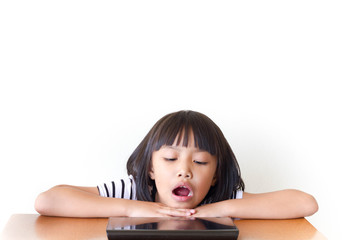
[207, 136]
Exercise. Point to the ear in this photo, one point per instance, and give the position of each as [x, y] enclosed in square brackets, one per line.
[213, 181]
[151, 174]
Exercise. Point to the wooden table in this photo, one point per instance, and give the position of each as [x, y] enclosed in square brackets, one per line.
[33, 226]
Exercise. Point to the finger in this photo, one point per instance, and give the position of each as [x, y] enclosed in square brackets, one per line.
[177, 212]
[186, 210]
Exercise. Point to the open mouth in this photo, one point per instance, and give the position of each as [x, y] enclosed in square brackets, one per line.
[182, 191]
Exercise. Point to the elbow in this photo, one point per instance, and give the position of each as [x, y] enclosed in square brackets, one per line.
[45, 202]
[314, 206]
[310, 205]
[303, 204]
[42, 204]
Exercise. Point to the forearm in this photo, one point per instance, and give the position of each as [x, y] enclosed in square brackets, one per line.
[67, 201]
[71, 201]
[274, 205]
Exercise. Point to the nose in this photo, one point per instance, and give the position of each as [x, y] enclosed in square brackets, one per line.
[184, 172]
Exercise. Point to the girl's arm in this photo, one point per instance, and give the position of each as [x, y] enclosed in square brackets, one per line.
[71, 201]
[274, 205]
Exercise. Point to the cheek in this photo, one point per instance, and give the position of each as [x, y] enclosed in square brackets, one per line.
[206, 177]
[160, 171]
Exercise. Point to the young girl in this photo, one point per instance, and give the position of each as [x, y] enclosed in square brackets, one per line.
[183, 167]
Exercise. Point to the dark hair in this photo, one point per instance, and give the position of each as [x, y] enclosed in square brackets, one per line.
[207, 136]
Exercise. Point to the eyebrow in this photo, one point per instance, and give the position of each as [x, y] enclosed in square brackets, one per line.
[178, 148]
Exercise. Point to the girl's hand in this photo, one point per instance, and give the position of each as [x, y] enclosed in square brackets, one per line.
[211, 210]
[155, 209]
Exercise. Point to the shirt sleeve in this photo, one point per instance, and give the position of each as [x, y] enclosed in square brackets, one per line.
[238, 194]
[122, 188]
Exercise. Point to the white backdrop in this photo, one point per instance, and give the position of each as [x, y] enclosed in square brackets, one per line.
[81, 83]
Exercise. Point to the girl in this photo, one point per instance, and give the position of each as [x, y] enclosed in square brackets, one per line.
[183, 167]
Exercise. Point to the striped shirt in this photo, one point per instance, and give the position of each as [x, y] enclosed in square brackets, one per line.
[123, 188]
[126, 189]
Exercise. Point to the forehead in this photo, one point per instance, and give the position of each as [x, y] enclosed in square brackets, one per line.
[188, 139]
[181, 148]
[185, 139]
[187, 133]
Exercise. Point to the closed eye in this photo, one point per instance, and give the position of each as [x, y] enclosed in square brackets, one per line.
[170, 159]
[199, 162]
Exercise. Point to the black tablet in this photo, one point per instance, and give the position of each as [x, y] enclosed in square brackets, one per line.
[171, 228]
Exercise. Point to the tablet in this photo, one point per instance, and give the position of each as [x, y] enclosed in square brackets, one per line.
[171, 228]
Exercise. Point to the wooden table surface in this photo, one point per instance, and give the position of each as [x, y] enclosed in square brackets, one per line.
[33, 226]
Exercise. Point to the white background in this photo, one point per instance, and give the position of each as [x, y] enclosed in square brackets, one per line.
[81, 83]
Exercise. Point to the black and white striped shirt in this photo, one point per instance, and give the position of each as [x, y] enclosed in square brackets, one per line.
[126, 188]
[123, 188]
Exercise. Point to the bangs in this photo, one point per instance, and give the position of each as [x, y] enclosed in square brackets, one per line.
[185, 128]
[180, 128]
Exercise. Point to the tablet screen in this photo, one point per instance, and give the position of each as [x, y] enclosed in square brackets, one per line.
[171, 228]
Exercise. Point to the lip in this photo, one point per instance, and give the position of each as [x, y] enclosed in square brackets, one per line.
[182, 198]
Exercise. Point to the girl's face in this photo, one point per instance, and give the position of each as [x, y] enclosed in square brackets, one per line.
[183, 175]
